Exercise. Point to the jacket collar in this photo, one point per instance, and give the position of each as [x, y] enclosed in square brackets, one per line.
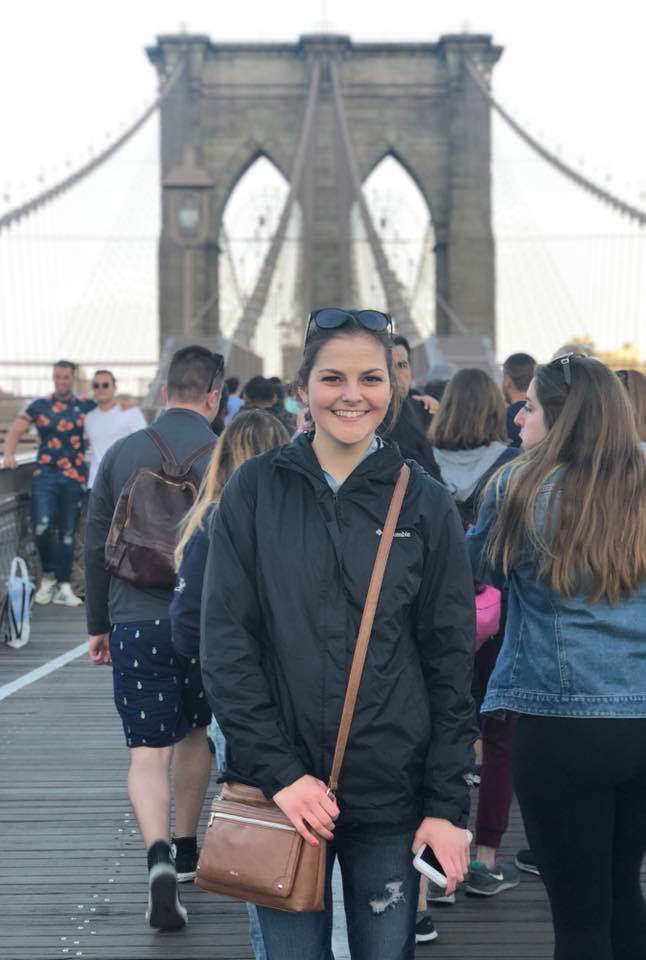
[382, 466]
[183, 412]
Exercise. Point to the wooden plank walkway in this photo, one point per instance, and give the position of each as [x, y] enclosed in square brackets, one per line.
[73, 872]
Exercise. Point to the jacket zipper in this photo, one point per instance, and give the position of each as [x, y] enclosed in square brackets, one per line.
[253, 820]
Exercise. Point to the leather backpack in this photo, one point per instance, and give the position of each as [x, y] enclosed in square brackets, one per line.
[145, 525]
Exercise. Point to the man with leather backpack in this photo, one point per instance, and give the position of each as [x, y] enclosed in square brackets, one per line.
[145, 483]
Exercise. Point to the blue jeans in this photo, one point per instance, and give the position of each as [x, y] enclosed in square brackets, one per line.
[55, 506]
[219, 743]
[255, 933]
[380, 889]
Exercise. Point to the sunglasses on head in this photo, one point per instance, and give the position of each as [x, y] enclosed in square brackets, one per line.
[623, 376]
[219, 370]
[564, 364]
[331, 318]
[101, 383]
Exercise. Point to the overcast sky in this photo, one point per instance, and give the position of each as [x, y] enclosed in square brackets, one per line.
[72, 72]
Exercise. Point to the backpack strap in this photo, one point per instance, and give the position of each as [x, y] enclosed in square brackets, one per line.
[168, 456]
[186, 464]
[170, 464]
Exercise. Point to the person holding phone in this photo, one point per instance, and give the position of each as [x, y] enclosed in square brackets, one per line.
[292, 548]
[565, 524]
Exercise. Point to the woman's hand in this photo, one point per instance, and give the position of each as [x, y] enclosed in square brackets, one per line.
[430, 404]
[449, 844]
[306, 803]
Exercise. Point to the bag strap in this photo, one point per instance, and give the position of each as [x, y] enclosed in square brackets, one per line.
[186, 464]
[169, 458]
[365, 628]
[166, 452]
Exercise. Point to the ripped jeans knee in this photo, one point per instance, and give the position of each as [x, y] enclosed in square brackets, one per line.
[393, 895]
[42, 526]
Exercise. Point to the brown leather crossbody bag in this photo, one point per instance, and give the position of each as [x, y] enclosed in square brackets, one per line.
[251, 850]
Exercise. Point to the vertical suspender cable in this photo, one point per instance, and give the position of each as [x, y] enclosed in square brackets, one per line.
[255, 305]
[392, 287]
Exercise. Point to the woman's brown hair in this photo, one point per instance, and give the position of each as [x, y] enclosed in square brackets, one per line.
[250, 432]
[594, 536]
[635, 384]
[471, 413]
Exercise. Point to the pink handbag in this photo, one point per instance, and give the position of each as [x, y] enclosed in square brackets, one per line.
[487, 612]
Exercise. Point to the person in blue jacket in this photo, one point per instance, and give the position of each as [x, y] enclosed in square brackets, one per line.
[249, 433]
[565, 526]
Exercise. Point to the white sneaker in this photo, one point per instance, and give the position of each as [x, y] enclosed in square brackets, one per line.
[66, 597]
[46, 589]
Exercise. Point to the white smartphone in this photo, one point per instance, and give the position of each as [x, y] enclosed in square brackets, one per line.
[427, 863]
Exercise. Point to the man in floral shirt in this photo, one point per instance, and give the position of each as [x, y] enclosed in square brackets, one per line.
[58, 481]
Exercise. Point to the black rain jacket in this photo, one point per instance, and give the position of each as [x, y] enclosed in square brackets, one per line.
[285, 583]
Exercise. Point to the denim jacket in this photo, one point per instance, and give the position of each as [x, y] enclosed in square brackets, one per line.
[561, 656]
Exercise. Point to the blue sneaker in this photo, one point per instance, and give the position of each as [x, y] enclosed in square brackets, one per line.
[487, 883]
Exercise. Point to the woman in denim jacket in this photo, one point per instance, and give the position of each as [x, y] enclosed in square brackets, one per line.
[565, 527]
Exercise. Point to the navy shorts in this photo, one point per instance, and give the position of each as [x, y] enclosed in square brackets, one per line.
[157, 691]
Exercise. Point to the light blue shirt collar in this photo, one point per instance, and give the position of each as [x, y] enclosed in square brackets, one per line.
[376, 444]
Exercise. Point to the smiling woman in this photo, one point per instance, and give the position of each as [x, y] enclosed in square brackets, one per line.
[347, 379]
[346, 382]
[294, 543]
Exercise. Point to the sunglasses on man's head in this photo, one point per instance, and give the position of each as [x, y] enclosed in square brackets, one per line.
[564, 364]
[331, 318]
[101, 383]
[219, 370]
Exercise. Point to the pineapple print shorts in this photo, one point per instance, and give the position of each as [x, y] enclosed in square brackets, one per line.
[157, 691]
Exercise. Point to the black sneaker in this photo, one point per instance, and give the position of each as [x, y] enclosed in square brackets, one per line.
[185, 853]
[424, 929]
[165, 912]
[524, 860]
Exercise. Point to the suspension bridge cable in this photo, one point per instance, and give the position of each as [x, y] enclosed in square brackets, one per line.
[397, 304]
[628, 209]
[254, 306]
[30, 206]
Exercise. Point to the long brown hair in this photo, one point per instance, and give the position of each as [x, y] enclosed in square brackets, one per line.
[250, 432]
[635, 384]
[594, 538]
[471, 413]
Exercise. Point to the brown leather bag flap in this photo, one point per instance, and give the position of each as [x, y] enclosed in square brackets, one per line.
[241, 793]
[257, 847]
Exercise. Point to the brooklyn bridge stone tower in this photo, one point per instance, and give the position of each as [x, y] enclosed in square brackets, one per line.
[325, 111]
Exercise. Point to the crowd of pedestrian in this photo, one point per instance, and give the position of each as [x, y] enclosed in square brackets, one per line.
[226, 578]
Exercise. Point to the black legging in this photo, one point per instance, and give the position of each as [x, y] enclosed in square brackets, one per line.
[581, 785]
